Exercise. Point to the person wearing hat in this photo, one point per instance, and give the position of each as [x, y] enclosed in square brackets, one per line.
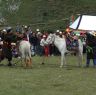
[18, 28]
[33, 40]
[43, 44]
[90, 49]
[75, 43]
[57, 32]
[37, 30]
[7, 49]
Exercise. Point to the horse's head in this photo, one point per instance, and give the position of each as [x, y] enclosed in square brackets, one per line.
[50, 39]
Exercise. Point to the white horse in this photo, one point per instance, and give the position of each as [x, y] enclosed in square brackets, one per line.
[25, 52]
[60, 43]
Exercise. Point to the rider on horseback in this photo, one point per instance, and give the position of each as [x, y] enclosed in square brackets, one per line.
[72, 41]
[75, 43]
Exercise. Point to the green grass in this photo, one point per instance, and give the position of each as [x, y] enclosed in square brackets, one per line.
[48, 79]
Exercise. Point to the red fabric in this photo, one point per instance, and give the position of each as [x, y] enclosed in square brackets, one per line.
[82, 33]
[25, 39]
[46, 49]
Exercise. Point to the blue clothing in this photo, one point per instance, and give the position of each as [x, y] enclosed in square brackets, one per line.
[75, 43]
[88, 62]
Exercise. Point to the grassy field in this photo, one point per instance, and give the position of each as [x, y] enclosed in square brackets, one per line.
[48, 79]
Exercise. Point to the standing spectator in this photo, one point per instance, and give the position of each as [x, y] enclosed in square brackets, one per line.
[29, 30]
[43, 44]
[26, 33]
[33, 40]
[18, 28]
[39, 36]
[22, 29]
[90, 49]
[7, 48]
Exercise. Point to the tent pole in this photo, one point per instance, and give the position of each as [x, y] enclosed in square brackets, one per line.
[79, 22]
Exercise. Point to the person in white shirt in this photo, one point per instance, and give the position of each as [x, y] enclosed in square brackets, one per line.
[43, 43]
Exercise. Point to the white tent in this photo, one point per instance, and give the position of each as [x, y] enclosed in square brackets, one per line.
[84, 22]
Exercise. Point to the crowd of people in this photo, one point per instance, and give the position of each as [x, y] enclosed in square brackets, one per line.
[38, 43]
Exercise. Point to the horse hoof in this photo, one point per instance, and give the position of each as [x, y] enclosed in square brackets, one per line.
[61, 66]
[42, 63]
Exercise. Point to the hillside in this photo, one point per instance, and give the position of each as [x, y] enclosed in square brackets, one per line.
[44, 14]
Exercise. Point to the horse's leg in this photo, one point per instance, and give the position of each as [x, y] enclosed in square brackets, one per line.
[30, 59]
[24, 62]
[25, 59]
[80, 58]
[21, 61]
[63, 60]
[80, 52]
[30, 62]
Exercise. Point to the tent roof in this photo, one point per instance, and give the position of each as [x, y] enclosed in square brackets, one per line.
[84, 22]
